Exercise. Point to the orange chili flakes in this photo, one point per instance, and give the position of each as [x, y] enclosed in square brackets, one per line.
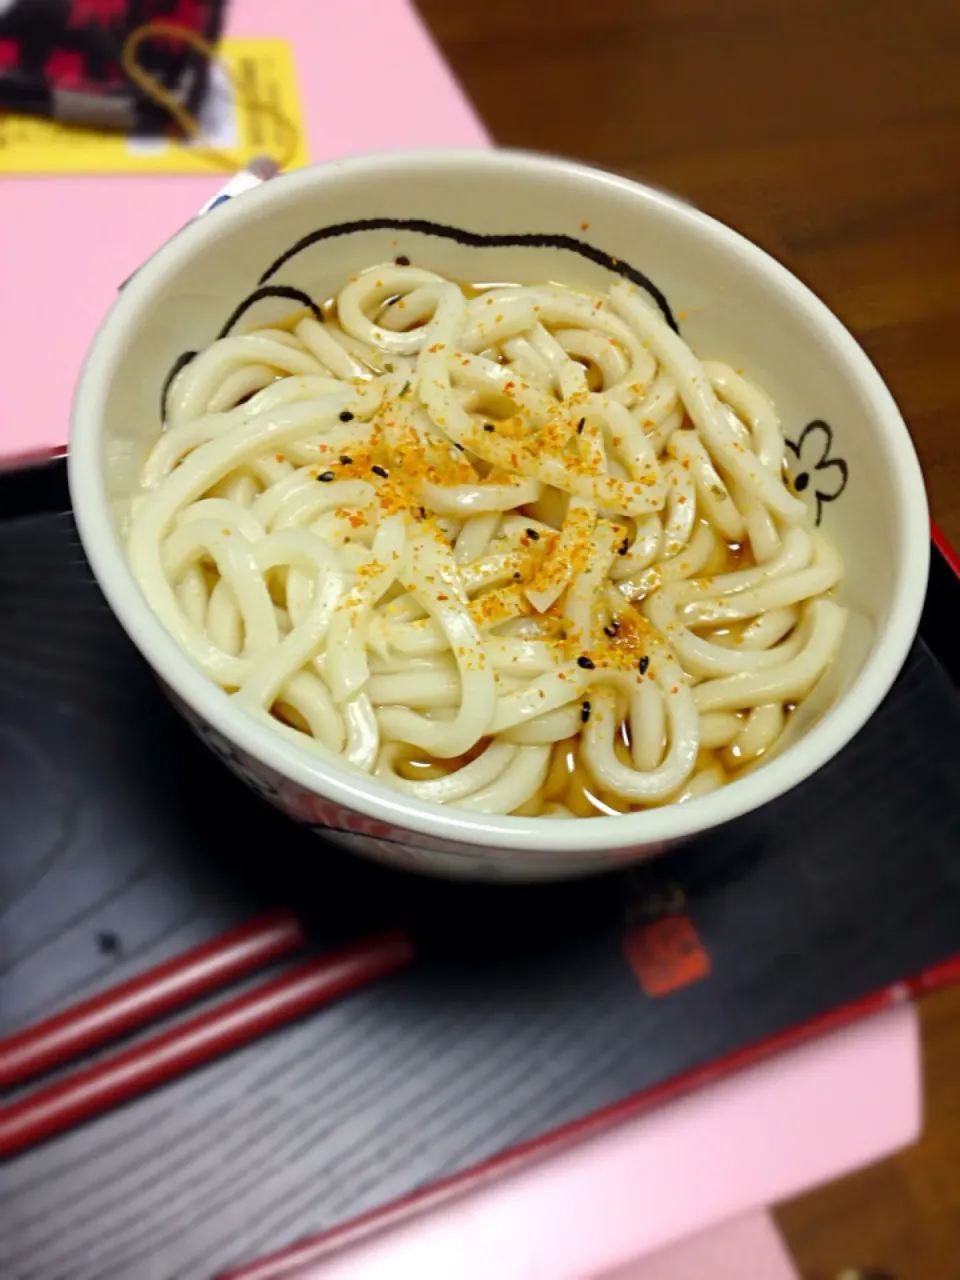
[369, 570]
[584, 226]
[498, 606]
[627, 642]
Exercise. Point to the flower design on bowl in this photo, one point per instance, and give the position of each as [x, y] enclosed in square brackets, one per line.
[816, 469]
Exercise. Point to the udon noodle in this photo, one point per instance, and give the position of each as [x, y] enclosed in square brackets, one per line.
[515, 549]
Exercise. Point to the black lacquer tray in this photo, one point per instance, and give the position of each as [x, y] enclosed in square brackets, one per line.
[123, 843]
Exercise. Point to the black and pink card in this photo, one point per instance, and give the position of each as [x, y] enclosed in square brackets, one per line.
[61, 58]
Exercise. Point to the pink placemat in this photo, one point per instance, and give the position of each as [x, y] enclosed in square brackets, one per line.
[747, 1248]
[799, 1119]
[371, 79]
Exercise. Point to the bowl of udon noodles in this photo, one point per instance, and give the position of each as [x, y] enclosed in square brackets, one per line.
[495, 516]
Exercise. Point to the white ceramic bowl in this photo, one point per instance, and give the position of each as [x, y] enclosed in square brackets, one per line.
[495, 215]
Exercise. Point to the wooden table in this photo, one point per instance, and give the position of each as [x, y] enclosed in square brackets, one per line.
[828, 131]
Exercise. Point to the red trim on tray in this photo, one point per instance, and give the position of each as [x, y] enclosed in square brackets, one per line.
[946, 549]
[945, 974]
[292, 1263]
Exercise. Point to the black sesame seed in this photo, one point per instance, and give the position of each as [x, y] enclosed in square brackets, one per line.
[587, 663]
[379, 471]
[488, 426]
[532, 533]
[458, 445]
[624, 547]
[584, 712]
[345, 461]
[517, 576]
[402, 261]
[327, 475]
[580, 426]
[346, 416]
[644, 663]
[423, 512]
[613, 628]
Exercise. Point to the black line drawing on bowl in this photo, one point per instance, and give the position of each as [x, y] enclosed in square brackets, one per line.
[271, 291]
[181, 362]
[478, 240]
[420, 226]
[827, 475]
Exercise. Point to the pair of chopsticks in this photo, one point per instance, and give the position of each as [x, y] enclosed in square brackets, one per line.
[51, 1109]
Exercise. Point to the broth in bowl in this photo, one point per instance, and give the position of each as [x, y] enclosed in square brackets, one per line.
[510, 548]
[444, 492]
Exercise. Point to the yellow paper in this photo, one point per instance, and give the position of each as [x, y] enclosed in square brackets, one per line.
[264, 69]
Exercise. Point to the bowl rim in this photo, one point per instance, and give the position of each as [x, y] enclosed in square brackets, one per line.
[362, 793]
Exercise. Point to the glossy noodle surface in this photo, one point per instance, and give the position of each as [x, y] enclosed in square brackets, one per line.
[511, 548]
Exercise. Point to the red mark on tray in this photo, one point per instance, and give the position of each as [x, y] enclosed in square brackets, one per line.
[666, 955]
[9, 54]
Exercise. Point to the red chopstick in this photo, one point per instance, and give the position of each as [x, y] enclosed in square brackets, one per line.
[211, 1034]
[148, 996]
